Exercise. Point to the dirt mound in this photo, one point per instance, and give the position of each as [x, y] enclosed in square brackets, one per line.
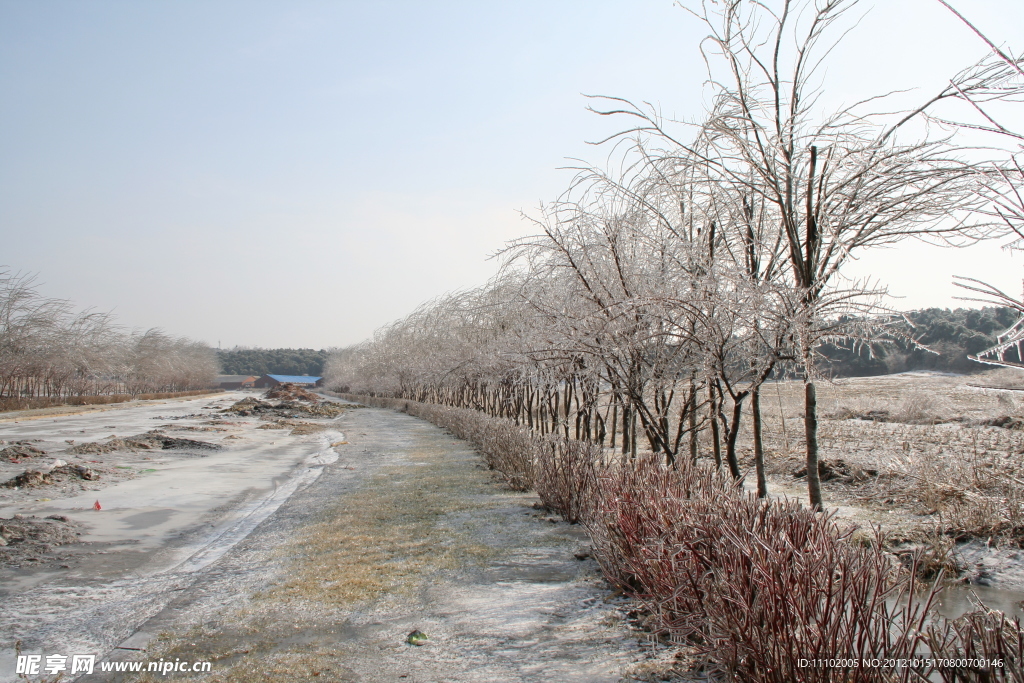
[158, 440]
[883, 415]
[307, 428]
[90, 448]
[33, 478]
[1004, 421]
[838, 470]
[286, 409]
[54, 530]
[324, 409]
[24, 539]
[74, 472]
[249, 406]
[291, 392]
[28, 479]
[20, 450]
[297, 426]
[152, 440]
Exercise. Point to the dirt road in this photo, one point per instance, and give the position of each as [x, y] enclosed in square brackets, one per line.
[324, 576]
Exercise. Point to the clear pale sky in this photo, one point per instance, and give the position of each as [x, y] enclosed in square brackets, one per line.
[298, 173]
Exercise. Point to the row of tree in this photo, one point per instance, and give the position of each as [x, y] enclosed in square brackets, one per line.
[47, 349]
[656, 300]
[946, 338]
[246, 361]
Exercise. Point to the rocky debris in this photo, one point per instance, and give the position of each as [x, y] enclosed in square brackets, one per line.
[74, 471]
[838, 470]
[28, 479]
[90, 448]
[26, 539]
[250, 406]
[324, 409]
[298, 427]
[19, 450]
[33, 478]
[291, 392]
[151, 440]
[156, 439]
[307, 428]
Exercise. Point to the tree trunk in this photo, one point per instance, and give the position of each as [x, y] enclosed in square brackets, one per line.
[614, 422]
[625, 428]
[693, 421]
[811, 433]
[730, 446]
[755, 415]
[632, 434]
[716, 443]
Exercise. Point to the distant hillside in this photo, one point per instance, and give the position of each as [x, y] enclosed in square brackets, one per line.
[241, 361]
[953, 334]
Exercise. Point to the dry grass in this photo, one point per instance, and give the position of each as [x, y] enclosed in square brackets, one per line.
[384, 537]
[9, 404]
[924, 440]
[378, 543]
[560, 470]
[509, 449]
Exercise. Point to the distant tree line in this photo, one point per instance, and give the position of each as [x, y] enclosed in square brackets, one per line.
[49, 350]
[948, 335]
[244, 361]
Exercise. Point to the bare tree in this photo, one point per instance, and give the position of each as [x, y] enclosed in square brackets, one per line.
[47, 349]
[839, 183]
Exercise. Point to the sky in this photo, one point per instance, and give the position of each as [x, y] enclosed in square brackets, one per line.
[298, 173]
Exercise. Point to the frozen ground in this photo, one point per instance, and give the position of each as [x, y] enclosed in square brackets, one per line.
[164, 516]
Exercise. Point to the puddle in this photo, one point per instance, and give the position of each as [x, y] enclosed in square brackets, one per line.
[956, 601]
[345, 631]
[145, 520]
[533, 567]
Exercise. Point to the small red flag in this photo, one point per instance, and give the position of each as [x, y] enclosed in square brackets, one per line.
[97, 506]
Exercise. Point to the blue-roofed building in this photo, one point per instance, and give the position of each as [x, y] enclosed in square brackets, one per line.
[267, 381]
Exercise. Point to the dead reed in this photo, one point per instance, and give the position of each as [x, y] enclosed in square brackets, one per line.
[973, 642]
[760, 586]
[567, 472]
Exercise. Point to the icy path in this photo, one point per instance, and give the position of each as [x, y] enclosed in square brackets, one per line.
[405, 531]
